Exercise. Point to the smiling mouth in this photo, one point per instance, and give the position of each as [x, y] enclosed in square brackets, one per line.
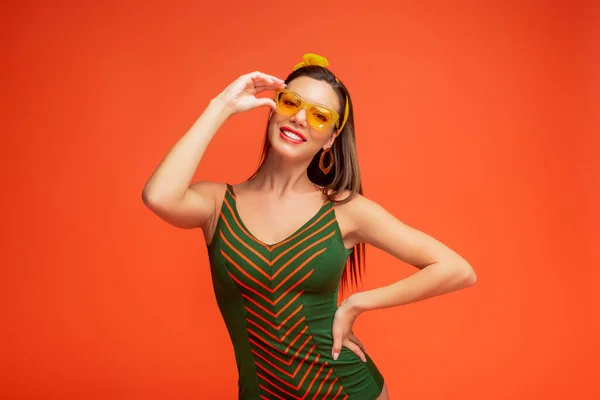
[292, 135]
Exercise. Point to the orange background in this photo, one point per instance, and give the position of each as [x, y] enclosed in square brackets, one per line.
[475, 124]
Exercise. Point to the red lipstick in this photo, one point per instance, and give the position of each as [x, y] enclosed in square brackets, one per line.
[287, 128]
[290, 139]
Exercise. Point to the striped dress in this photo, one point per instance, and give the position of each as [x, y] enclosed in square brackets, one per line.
[278, 302]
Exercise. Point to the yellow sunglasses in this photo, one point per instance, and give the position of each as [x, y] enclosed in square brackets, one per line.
[319, 117]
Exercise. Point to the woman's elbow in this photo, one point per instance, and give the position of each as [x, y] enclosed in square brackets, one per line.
[468, 275]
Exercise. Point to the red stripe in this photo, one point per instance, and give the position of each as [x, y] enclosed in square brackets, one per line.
[275, 376]
[302, 362]
[295, 372]
[301, 252]
[313, 381]
[271, 364]
[290, 302]
[301, 241]
[297, 269]
[249, 288]
[259, 306]
[231, 193]
[258, 316]
[292, 287]
[330, 387]
[287, 363]
[305, 229]
[287, 349]
[338, 392]
[253, 279]
[248, 234]
[289, 316]
[262, 329]
[272, 384]
[232, 247]
[269, 322]
[308, 370]
[292, 328]
[296, 338]
[303, 344]
[252, 249]
[270, 391]
[263, 339]
[322, 383]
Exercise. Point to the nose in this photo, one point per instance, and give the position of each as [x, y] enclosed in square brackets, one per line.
[299, 118]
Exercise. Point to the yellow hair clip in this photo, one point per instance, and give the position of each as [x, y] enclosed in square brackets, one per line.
[315, 59]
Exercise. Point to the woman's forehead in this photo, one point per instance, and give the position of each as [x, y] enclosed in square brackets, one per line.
[314, 91]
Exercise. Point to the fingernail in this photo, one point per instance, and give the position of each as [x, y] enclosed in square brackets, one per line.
[335, 356]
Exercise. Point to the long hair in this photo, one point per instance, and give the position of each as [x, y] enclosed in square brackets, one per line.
[345, 174]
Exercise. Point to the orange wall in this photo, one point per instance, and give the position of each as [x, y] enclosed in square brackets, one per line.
[474, 124]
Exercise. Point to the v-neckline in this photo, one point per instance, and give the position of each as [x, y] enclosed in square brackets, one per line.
[271, 245]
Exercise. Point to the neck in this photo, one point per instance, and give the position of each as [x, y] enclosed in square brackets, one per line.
[283, 176]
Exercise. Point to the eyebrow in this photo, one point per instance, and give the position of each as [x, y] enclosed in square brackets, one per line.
[312, 102]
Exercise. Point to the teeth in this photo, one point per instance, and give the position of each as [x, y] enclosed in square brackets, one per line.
[291, 135]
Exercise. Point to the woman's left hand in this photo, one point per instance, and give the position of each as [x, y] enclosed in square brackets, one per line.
[342, 333]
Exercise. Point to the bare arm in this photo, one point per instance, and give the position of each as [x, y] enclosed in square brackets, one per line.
[169, 192]
[441, 269]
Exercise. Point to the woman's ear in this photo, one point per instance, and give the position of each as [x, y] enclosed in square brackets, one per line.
[331, 139]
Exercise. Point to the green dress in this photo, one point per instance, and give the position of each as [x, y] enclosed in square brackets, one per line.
[278, 302]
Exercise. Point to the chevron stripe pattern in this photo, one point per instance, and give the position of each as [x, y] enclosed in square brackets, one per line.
[271, 280]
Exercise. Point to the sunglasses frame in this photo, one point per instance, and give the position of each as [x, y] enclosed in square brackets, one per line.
[306, 106]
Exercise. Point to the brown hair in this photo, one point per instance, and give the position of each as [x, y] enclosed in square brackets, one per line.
[345, 174]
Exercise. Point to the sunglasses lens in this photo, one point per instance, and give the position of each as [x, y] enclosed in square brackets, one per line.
[288, 103]
[320, 118]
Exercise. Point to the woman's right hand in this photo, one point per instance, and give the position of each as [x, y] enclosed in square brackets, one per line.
[240, 95]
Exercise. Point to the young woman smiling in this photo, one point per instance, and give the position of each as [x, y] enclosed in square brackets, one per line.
[282, 243]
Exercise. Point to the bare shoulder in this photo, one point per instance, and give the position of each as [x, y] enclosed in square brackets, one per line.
[347, 215]
[360, 218]
[353, 204]
[212, 191]
[367, 221]
[364, 220]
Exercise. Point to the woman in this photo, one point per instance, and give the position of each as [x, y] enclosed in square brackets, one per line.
[279, 243]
